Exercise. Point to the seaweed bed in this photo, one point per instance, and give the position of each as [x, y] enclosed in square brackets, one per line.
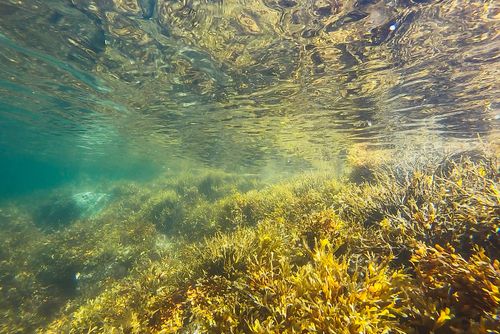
[386, 249]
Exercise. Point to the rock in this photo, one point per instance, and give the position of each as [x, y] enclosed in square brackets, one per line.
[63, 211]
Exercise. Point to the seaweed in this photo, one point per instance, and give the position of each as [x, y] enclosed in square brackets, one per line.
[412, 250]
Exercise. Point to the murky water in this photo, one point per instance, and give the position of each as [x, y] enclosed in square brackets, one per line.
[96, 92]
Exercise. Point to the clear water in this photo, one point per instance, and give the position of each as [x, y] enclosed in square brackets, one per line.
[90, 85]
[96, 91]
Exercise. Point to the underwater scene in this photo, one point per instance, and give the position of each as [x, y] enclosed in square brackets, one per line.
[249, 166]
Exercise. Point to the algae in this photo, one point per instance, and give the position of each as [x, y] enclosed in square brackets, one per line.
[411, 250]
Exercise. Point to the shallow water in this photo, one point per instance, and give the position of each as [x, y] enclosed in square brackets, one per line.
[240, 83]
[119, 99]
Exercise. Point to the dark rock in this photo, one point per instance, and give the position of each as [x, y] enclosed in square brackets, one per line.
[148, 8]
[287, 3]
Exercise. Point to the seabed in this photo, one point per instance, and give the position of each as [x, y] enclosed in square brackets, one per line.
[381, 249]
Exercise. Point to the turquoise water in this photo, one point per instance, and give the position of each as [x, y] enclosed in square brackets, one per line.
[241, 83]
[22, 174]
[110, 107]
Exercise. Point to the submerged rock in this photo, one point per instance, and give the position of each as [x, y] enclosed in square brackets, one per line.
[89, 203]
[63, 211]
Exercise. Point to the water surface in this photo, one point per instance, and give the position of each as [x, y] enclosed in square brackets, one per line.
[237, 84]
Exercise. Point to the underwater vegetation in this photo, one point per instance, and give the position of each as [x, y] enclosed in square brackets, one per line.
[403, 249]
[63, 250]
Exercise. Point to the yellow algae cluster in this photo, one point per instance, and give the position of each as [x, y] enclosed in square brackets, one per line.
[411, 251]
